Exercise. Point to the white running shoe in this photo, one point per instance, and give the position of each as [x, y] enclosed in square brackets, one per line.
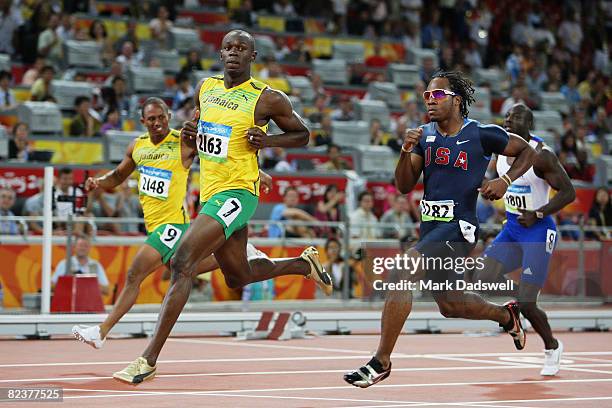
[552, 360]
[89, 335]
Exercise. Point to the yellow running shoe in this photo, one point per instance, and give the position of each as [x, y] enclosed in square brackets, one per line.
[317, 271]
[136, 372]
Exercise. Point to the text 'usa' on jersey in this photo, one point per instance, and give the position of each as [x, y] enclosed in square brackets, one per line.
[454, 166]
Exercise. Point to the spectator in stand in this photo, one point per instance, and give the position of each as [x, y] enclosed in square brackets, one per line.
[121, 99]
[19, 145]
[81, 263]
[398, 215]
[377, 60]
[335, 263]
[7, 96]
[160, 27]
[518, 96]
[320, 105]
[447, 58]
[281, 50]
[346, 111]
[102, 203]
[335, 162]
[377, 135]
[428, 68]
[41, 88]
[67, 28]
[184, 90]
[289, 211]
[112, 121]
[50, 45]
[244, 14]
[324, 136]
[472, 56]
[128, 206]
[185, 111]
[299, 52]
[97, 33]
[570, 90]
[33, 73]
[411, 117]
[130, 36]
[128, 57]
[84, 124]
[10, 21]
[284, 8]
[397, 141]
[7, 201]
[600, 214]
[193, 63]
[432, 35]
[329, 209]
[363, 215]
[570, 32]
[574, 159]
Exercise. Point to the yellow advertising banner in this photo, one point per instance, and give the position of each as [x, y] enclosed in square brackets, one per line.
[72, 152]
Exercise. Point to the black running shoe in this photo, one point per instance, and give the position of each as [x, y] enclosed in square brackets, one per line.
[369, 374]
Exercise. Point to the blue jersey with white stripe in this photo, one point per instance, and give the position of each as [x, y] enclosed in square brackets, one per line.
[454, 166]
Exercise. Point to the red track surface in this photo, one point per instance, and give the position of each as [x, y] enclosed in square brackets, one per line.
[428, 370]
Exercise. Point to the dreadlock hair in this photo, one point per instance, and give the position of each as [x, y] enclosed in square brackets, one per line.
[460, 85]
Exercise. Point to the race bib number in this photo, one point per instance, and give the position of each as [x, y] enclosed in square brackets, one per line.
[437, 210]
[229, 211]
[170, 236]
[213, 141]
[154, 182]
[551, 236]
[518, 198]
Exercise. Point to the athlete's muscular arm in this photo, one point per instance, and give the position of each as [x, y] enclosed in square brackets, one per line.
[275, 105]
[409, 166]
[525, 155]
[547, 167]
[115, 177]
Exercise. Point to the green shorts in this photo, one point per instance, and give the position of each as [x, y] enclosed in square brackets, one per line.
[165, 239]
[231, 208]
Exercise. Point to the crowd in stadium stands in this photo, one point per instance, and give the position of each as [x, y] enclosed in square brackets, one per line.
[538, 46]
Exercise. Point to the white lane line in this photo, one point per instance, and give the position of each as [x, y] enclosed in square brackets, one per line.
[344, 387]
[220, 393]
[486, 403]
[314, 358]
[576, 367]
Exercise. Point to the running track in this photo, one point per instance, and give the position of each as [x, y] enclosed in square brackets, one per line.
[428, 370]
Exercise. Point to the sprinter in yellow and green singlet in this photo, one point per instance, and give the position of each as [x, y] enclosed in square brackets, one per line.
[232, 115]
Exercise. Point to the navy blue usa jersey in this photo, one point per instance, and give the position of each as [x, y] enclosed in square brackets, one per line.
[454, 167]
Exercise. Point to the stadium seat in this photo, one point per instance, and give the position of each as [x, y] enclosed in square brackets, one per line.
[143, 80]
[492, 76]
[65, 92]
[350, 133]
[416, 55]
[168, 60]
[544, 120]
[5, 62]
[265, 46]
[83, 54]
[331, 71]
[373, 109]
[386, 92]
[118, 142]
[43, 117]
[483, 99]
[554, 101]
[481, 114]
[603, 173]
[353, 52]
[404, 75]
[185, 39]
[376, 159]
[303, 85]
